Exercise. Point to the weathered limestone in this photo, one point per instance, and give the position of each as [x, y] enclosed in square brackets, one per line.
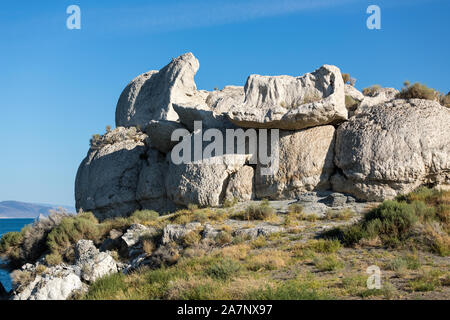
[289, 103]
[306, 163]
[393, 148]
[150, 95]
[203, 182]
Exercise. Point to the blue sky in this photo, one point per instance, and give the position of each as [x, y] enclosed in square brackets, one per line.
[60, 86]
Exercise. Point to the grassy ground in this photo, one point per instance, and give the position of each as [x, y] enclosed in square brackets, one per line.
[314, 257]
[294, 265]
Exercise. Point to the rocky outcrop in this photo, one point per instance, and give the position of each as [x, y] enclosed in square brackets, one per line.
[354, 93]
[240, 185]
[393, 148]
[305, 164]
[120, 174]
[214, 111]
[93, 264]
[176, 232]
[377, 97]
[160, 133]
[290, 103]
[202, 182]
[388, 146]
[57, 284]
[150, 95]
[63, 281]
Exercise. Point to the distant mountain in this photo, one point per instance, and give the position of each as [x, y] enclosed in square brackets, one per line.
[16, 209]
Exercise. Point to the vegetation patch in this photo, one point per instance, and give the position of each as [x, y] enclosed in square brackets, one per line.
[419, 218]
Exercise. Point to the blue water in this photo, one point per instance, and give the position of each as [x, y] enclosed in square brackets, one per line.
[8, 225]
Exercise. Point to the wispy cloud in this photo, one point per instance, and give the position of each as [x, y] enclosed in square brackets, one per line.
[192, 14]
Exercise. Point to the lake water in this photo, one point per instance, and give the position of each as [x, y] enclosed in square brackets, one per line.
[8, 225]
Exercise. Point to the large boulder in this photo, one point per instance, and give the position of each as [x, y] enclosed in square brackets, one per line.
[150, 95]
[292, 103]
[160, 133]
[393, 148]
[202, 182]
[213, 112]
[240, 185]
[120, 174]
[305, 164]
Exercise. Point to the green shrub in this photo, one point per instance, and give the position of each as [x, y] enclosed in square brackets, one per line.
[288, 290]
[345, 77]
[426, 281]
[223, 269]
[444, 100]
[10, 240]
[295, 208]
[353, 235]
[418, 91]
[191, 238]
[258, 212]
[107, 287]
[228, 203]
[391, 219]
[223, 237]
[328, 263]
[410, 262]
[145, 215]
[53, 259]
[324, 246]
[371, 91]
[72, 229]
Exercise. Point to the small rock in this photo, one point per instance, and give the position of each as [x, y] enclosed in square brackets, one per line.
[175, 232]
[336, 200]
[135, 232]
[93, 263]
[209, 232]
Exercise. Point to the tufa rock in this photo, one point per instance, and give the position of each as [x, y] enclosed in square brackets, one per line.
[306, 164]
[290, 103]
[93, 263]
[393, 148]
[150, 96]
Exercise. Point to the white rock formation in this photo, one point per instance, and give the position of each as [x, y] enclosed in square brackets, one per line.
[393, 148]
[240, 185]
[56, 283]
[380, 96]
[353, 92]
[290, 103]
[306, 163]
[202, 182]
[120, 174]
[150, 95]
[160, 133]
